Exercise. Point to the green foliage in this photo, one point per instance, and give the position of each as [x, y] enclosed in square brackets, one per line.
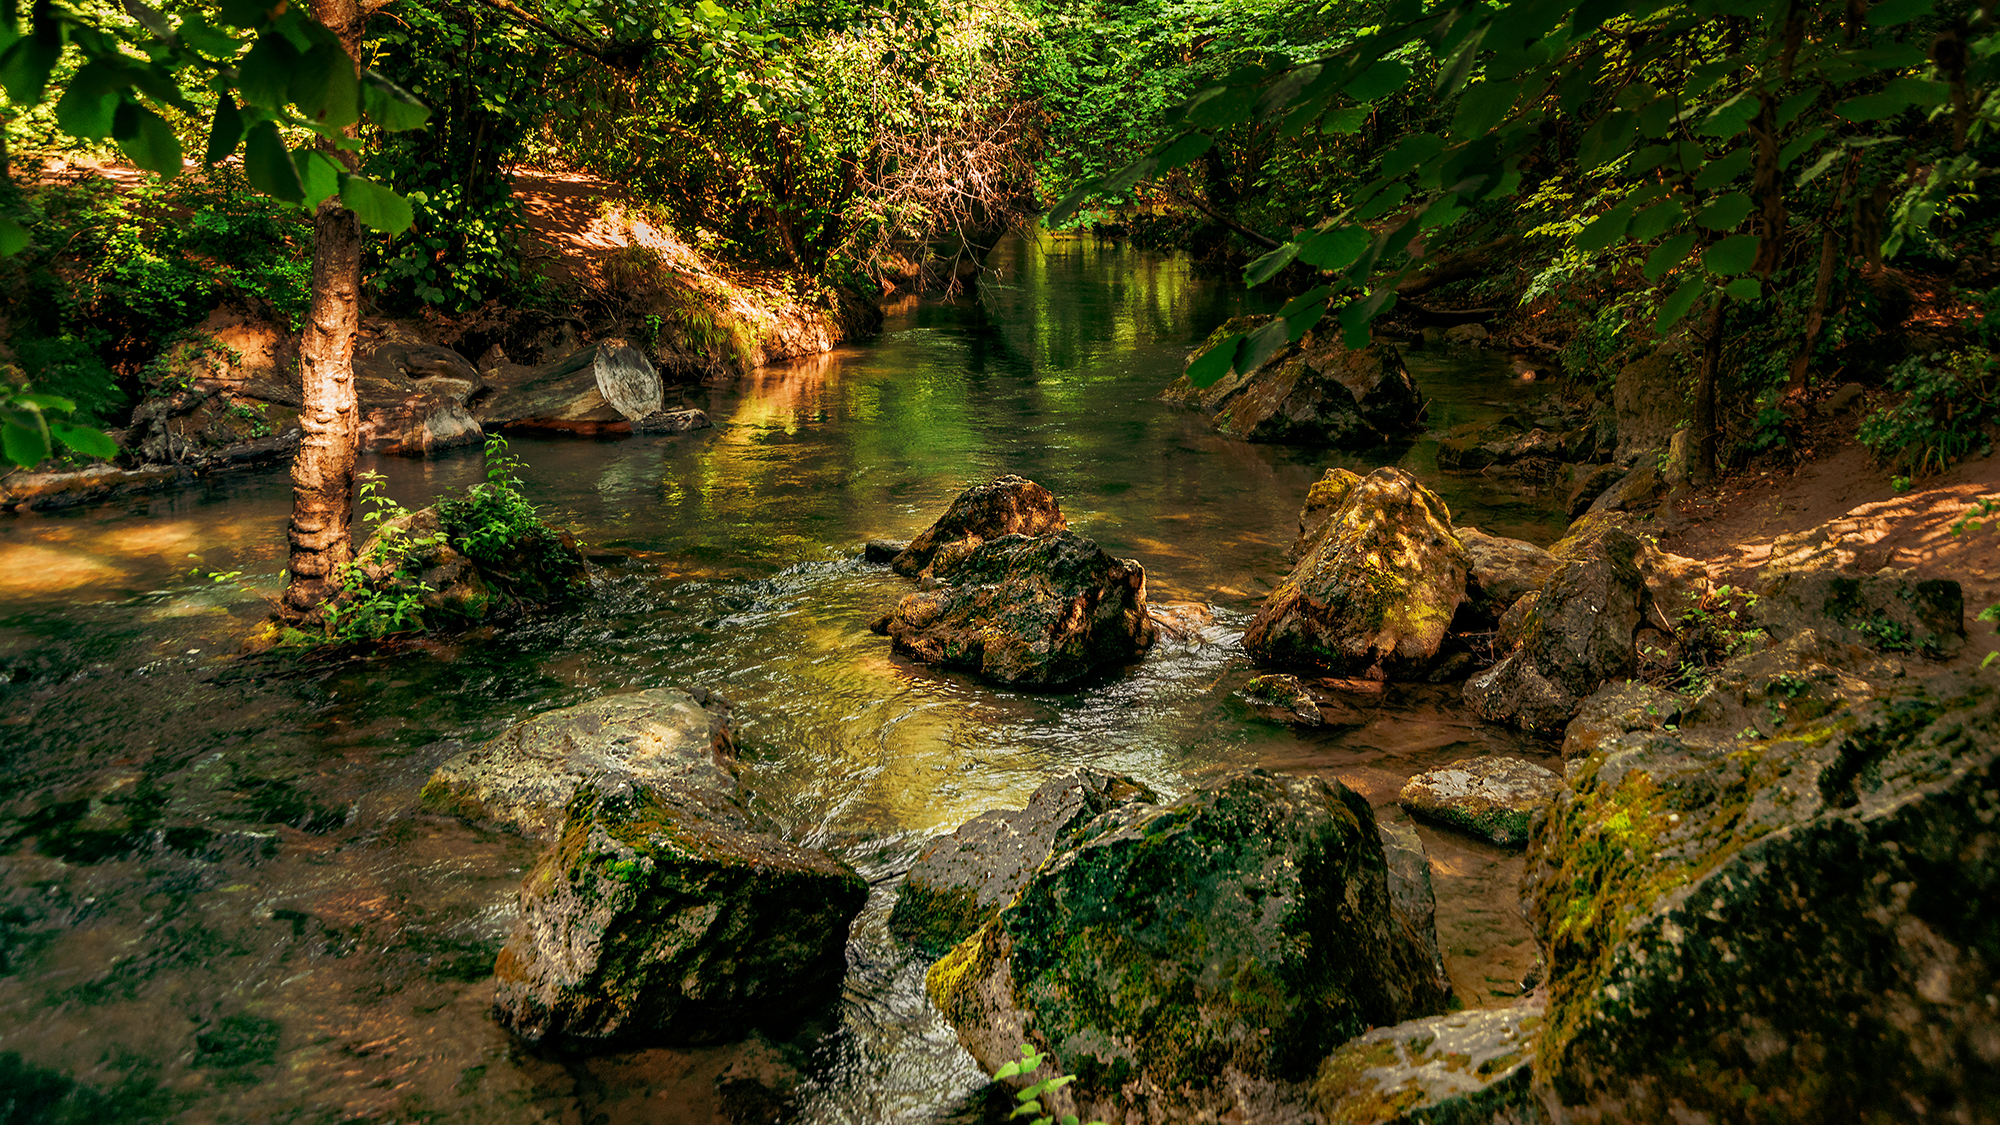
[1030, 1097]
[1948, 401]
[1715, 630]
[494, 522]
[379, 607]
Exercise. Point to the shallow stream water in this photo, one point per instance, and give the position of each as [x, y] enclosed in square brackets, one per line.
[218, 901]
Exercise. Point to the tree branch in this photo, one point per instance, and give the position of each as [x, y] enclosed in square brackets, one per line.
[623, 56]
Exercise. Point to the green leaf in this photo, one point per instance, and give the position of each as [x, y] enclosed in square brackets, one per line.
[1482, 107]
[1357, 316]
[1668, 254]
[1892, 13]
[1656, 220]
[1345, 121]
[1724, 169]
[1677, 305]
[1184, 149]
[225, 133]
[1608, 139]
[26, 446]
[88, 107]
[1726, 212]
[1261, 345]
[13, 237]
[319, 173]
[1731, 117]
[45, 402]
[325, 88]
[265, 77]
[1604, 231]
[1790, 108]
[1335, 248]
[376, 206]
[25, 67]
[1732, 255]
[150, 19]
[1591, 14]
[1413, 150]
[1266, 267]
[1214, 363]
[83, 439]
[244, 13]
[1744, 289]
[1387, 200]
[1800, 146]
[1384, 77]
[152, 144]
[269, 166]
[1818, 167]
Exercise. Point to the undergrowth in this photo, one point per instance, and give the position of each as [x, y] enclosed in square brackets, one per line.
[1948, 401]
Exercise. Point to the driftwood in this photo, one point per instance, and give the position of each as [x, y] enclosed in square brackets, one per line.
[602, 389]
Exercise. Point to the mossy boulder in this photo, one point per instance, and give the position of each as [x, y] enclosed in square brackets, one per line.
[523, 779]
[1316, 392]
[1792, 923]
[1890, 611]
[1197, 958]
[457, 564]
[1618, 708]
[664, 917]
[961, 880]
[1376, 592]
[1493, 797]
[1033, 611]
[1569, 637]
[1010, 505]
[1465, 1068]
[1322, 499]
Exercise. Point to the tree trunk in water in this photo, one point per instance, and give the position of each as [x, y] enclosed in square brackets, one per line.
[320, 534]
[1701, 471]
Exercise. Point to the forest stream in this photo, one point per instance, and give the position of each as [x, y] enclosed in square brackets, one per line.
[219, 901]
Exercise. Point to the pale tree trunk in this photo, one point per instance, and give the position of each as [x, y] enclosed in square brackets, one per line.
[321, 539]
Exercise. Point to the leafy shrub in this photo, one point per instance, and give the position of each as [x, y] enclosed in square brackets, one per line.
[1948, 399]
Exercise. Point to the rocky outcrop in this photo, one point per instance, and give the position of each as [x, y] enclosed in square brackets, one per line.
[1890, 611]
[662, 916]
[1571, 636]
[1034, 611]
[1501, 571]
[602, 389]
[1649, 400]
[1376, 592]
[1615, 709]
[1792, 921]
[1473, 1067]
[961, 880]
[1197, 959]
[522, 780]
[1317, 392]
[1010, 505]
[1322, 499]
[1492, 797]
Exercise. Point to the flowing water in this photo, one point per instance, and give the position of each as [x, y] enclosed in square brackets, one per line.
[218, 901]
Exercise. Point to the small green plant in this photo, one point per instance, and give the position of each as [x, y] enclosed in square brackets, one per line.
[1030, 1097]
[1980, 516]
[1716, 629]
[494, 517]
[1948, 399]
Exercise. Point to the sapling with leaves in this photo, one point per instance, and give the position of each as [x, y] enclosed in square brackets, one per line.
[1029, 1098]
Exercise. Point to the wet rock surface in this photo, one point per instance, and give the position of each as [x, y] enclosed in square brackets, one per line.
[1473, 1067]
[1197, 958]
[1618, 708]
[1413, 903]
[1010, 505]
[1813, 901]
[663, 916]
[1316, 392]
[1377, 590]
[1501, 571]
[961, 880]
[1493, 797]
[523, 780]
[1034, 611]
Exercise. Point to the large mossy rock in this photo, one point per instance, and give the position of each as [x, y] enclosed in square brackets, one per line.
[1568, 638]
[1376, 590]
[1795, 922]
[1033, 611]
[523, 780]
[1010, 505]
[961, 880]
[1467, 1068]
[443, 569]
[1198, 958]
[1317, 392]
[662, 918]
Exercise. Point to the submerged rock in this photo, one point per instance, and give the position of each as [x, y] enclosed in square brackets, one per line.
[1492, 797]
[1792, 924]
[522, 780]
[1193, 959]
[1010, 505]
[1043, 611]
[961, 880]
[1316, 392]
[1376, 592]
[1472, 1067]
[666, 918]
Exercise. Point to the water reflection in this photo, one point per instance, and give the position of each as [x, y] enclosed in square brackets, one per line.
[218, 900]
